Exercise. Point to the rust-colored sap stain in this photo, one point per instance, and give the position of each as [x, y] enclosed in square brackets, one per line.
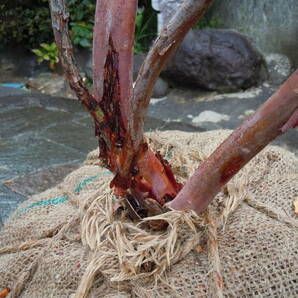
[146, 175]
[4, 293]
[230, 168]
[154, 176]
[110, 127]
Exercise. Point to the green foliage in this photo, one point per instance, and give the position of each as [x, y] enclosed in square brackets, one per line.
[81, 33]
[81, 21]
[142, 32]
[146, 28]
[47, 52]
[25, 22]
[28, 23]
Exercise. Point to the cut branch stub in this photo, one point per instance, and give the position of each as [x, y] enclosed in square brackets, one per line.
[274, 117]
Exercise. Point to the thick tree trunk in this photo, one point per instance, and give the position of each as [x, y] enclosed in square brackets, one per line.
[274, 117]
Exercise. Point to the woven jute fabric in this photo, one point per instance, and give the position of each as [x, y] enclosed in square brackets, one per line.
[75, 240]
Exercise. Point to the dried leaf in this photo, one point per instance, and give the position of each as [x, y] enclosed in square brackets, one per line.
[199, 248]
[4, 292]
[7, 182]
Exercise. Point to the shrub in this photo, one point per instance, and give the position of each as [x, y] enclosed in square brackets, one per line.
[25, 22]
[28, 23]
[47, 52]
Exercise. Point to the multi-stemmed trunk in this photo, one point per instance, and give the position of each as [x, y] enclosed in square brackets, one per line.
[118, 109]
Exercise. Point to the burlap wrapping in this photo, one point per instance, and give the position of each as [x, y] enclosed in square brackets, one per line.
[70, 242]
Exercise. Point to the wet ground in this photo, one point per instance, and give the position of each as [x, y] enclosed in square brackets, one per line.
[209, 110]
[42, 138]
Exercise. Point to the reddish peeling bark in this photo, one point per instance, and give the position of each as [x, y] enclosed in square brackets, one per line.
[141, 174]
[274, 117]
[114, 31]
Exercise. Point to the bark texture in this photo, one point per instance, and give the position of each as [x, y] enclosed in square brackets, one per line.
[274, 117]
[139, 174]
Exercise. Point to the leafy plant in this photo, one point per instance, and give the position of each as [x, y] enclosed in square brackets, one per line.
[81, 33]
[28, 23]
[25, 22]
[82, 21]
[144, 31]
[47, 52]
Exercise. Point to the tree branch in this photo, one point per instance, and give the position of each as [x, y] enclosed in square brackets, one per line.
[105, 108]
[114, 27]
[165, 45]
[60, 18]
[274, 117]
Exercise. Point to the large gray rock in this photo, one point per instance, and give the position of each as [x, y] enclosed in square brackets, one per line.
[161, 87]
[272, 24]
[216, 60]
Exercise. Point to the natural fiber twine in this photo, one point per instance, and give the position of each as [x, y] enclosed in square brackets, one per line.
[73, 241]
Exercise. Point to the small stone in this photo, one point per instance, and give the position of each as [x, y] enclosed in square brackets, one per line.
[161, 88]
[156, 100]
[249, 112]
[210, 116]
[279, 68]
